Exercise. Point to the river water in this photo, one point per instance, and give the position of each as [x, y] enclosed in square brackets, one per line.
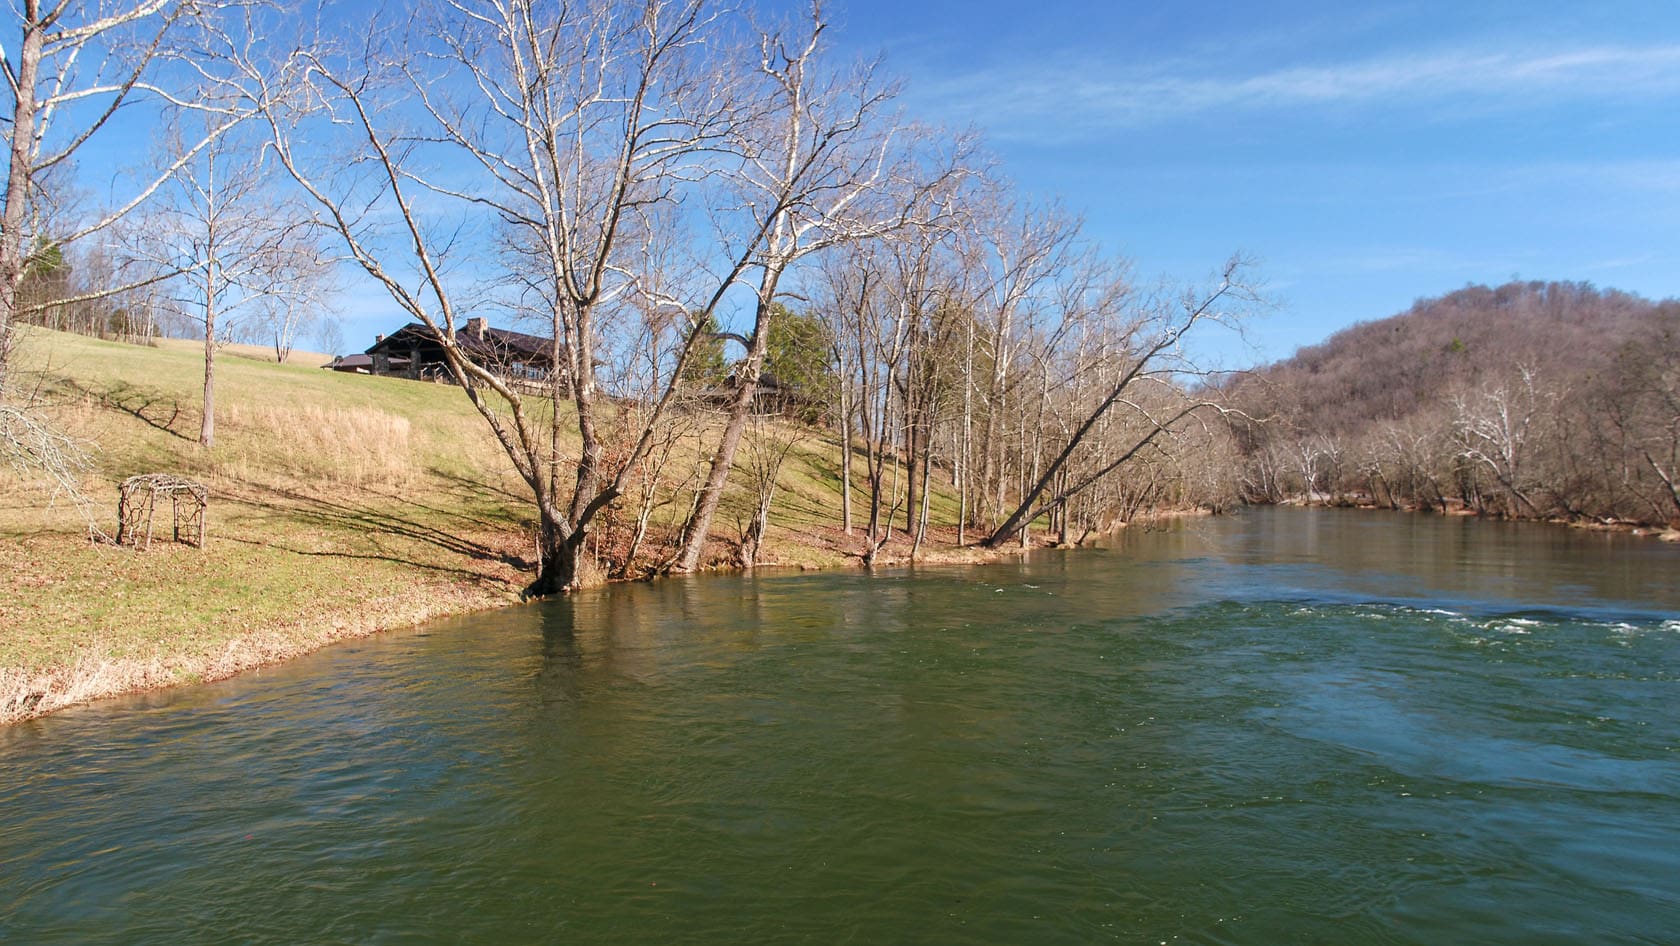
[1285, 726]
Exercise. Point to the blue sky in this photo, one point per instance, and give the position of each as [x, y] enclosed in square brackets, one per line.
[1366, 154]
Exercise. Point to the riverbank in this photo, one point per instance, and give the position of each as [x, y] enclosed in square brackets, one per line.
[341, 506]
[1460, 510]
[84, 621]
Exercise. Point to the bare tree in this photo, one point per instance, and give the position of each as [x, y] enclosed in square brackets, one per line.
[238, 252]
[768, 442]
[1493, 430]
[329, 335]
[813, 155]
[74, 67]
[568, 128]
[1014, 253]
[929, 311]
[37, 450]
[640, 370]
[1641, 402]
[1153, 357]
[290, 318]
[870, 340]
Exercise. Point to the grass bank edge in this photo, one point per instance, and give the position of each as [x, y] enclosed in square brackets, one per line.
[327, 489]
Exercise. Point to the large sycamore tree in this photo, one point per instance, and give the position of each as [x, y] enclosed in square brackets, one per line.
[535, 156]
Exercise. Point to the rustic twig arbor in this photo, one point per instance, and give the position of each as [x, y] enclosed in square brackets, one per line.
[139, 497]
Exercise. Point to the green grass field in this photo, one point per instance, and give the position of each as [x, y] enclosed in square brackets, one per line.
[340, 504]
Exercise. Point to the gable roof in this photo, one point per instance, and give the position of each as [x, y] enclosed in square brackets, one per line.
[494, 346]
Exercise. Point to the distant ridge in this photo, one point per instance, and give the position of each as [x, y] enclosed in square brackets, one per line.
[1530, 399]
[1387, 369]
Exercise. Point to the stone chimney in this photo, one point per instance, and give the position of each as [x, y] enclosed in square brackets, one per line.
[476, 327]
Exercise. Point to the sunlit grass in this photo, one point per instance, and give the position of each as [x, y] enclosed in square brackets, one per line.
[338, 504]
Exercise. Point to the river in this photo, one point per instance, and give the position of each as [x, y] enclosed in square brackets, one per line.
[1285, 726]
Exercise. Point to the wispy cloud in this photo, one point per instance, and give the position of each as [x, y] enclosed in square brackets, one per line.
[1628, 262]
[1108, 96]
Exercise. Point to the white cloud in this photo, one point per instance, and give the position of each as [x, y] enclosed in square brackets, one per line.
[1107, 96]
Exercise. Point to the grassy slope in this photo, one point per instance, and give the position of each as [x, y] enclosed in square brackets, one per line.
[341, 505]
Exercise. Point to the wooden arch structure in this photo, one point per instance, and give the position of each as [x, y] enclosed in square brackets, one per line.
[188, 504]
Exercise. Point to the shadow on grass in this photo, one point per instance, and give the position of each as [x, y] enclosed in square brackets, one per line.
[136, 402]
[484, 489]
[465, 573]
[819, 504]
[346, 517]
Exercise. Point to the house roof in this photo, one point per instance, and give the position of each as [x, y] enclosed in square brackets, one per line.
[350, 362]
[496, 345]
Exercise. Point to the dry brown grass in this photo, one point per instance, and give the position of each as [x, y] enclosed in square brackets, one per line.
[336, 446]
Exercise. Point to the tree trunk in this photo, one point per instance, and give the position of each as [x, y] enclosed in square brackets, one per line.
[880, 518]
[699, 525]
[753, 540]
[207, 429]
[18, 183]
[845, 459]
[1063, 514]
[912, 464]
[922, 515]
[1672, 488]
[561, 551]
[964, 451]
[635, 546]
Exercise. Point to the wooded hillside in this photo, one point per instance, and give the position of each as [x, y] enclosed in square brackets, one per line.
[1529, 399]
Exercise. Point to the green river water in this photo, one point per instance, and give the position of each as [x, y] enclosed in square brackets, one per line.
[1279, 727]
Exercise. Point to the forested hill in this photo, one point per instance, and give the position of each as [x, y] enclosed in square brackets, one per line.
[1387, 369]
[1530, 399]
